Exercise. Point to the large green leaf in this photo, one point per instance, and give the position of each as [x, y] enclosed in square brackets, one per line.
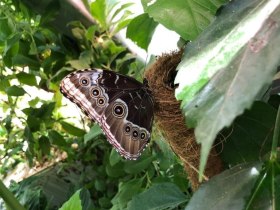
[229, 190]
[158, 196]
[246, 186]
[224, 70]
[187, 18]
[141, 30]
[253, 130]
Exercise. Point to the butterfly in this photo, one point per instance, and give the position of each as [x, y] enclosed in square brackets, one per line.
[122, 106]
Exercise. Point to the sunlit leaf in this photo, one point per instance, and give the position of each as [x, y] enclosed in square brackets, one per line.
[141, 30]
[120, 10]
[187, 18]
[73, 203]
[15, 91]
[28, 79]
[4, 83]
[218, 71]
[98, 11]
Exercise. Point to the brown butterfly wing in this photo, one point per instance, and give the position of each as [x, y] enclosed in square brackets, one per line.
[118, 103]
[129, 130]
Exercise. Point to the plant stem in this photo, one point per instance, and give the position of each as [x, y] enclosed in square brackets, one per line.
[275, 140]
[9, 198]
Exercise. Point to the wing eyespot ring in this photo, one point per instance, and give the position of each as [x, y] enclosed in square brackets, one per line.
[119, 110]
[84, 81]
[143, 135]
[95, 92]
[135, 133]
[127, 128]
[101, 101]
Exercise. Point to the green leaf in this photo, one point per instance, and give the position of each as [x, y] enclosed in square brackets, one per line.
[158, 196]
[56, 138]
[11, 49]
[33, 123]
[98, 11]
[22, 60]
[32, 103]
[253, 130]
[119, 10]
[233, 185]
[223, 71]
[86, 57]
[74, 203]
[93, 133]
[33, 48]
[90, 32]
[120, 25]
[8, 123]
[72, 129]
[85, 197]
[45, 145]
[28, 137]
[78, 64]
[44, 112]
[15, 91]
[78, 33]
[115, 170]
[134, 167]
[4, 83]
[6, 28]
[126, 192]
[28, 79]
[166, 157]
[114, 157]
[141, 30]
[187, 18]
[99, 185]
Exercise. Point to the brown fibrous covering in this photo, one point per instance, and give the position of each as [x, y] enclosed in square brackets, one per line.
[170, 121]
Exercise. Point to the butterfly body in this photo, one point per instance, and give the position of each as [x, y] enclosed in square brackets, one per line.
[121, 105]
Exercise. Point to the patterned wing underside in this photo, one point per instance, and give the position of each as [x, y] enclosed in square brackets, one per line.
[138, 118]
[115, 89]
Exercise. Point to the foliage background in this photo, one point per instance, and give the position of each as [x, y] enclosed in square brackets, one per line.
[36, 125]
[39, 47]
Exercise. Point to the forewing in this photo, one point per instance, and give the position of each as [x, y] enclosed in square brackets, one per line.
[80, 87]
